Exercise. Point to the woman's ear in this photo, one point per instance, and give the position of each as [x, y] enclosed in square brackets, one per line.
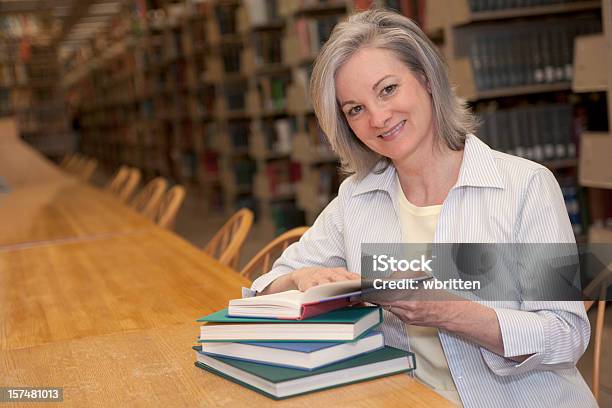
[425, 82]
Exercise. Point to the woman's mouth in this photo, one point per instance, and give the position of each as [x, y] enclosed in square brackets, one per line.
[394, 131]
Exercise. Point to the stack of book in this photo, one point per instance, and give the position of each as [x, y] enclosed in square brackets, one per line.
[295, 342]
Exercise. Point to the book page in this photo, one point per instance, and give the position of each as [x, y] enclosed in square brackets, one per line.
[332, 289]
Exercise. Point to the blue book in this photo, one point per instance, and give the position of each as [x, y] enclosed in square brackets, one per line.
[299, 355]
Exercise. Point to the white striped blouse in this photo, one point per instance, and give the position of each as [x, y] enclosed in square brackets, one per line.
[497, 198]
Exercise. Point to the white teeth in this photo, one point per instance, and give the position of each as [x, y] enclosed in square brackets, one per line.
[394, 130]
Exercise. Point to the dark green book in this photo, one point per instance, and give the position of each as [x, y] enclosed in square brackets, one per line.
[282, 382]
[338, 325]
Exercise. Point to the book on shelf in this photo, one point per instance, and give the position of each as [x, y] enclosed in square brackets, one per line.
[541, 132]
[268, 47]
[282, 382]
[569, 190]
[300, 355]
[286, 216]
[283, 129]
[273, 91]
[232, 57]
[312, 33]
[294, 304]
[523, 53]
[282, 175]
[261, 12]
[244, 170]
[488, 5]
[339, 325]
[226, 16]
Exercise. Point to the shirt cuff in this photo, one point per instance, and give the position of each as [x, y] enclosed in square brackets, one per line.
[261, 283]
[523, 333]
[247, 293]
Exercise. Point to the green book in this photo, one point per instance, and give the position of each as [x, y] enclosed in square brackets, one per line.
[338, 325]
[283, 382]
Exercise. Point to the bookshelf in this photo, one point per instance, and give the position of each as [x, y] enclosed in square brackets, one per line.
[146, 94]
[472, 11]
[274, 125]
[513, 62]
[309, 24]
[28, 84]
[596, 147]
[214, 94]
[230, 64]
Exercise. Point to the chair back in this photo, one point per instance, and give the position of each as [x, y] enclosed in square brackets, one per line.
[147, 200]
[597, 289]
[169, 206]
[597, 339]
[118, 180]
[262, 262]
[74, 163]
[65, 160]
[226, 244]
[130, 185]
[88, 169]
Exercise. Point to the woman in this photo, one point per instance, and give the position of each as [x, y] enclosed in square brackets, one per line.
[383, 98]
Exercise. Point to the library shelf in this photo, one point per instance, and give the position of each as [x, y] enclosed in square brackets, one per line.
[560, 163]
[534, 11]
[521, 90]
[590, 75]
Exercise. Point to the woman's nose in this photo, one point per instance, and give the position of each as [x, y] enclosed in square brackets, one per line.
[379, 117]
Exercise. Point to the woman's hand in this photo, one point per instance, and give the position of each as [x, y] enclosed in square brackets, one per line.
[432, 313]
[470, 320]
[306, 278]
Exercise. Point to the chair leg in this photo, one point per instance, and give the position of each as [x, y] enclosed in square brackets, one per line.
[599, 326]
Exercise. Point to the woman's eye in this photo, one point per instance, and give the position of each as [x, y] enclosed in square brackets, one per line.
[354, 110]
[388, 90]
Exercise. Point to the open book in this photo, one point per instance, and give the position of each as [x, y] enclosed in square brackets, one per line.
[294, 304]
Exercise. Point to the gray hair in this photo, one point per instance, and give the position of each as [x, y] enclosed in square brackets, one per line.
[391, 31]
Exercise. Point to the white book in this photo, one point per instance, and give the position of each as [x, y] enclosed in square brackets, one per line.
[305, 356]
[294, 304]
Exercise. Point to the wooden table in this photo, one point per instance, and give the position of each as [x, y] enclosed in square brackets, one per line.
[154, 367]
[113, 321]
[98, 300]
[21, 166]
[62, 210]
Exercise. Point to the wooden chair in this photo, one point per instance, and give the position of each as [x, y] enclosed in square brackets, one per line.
[130, 185]
[597, 339]
[74, 163]
[147, 200]
[226, 244]
[262, 262]
[88, 169]
[168, 208]
[118, 180]
[65, 160]
[598, 289]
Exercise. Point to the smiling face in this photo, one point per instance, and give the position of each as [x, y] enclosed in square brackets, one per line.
[385, 104]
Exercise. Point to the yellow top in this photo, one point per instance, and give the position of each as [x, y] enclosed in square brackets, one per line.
[418, 225]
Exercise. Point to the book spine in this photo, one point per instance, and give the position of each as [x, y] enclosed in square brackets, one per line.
[315, 309]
